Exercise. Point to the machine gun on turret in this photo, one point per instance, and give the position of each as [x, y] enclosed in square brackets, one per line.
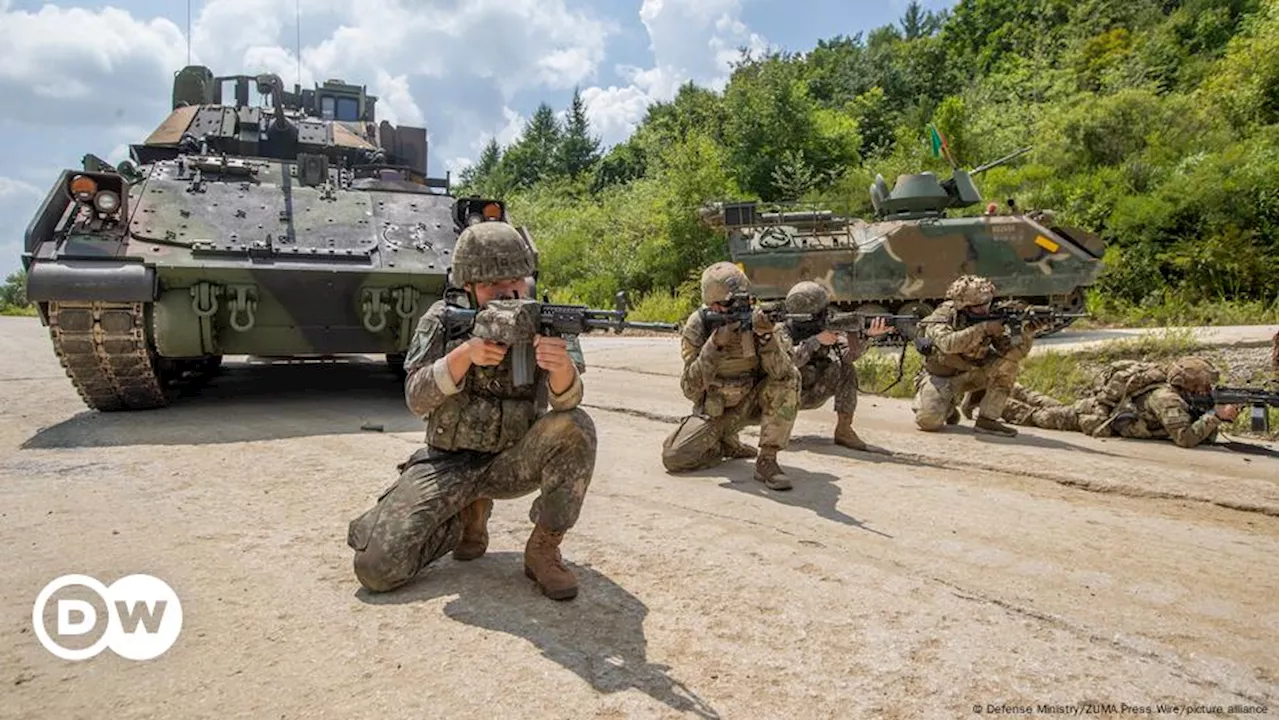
[922, 195]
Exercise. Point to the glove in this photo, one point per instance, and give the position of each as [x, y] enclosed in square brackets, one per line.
[761, 323]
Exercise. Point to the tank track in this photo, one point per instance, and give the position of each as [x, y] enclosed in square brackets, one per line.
[103, 349]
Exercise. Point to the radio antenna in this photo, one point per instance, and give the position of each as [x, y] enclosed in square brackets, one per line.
[298, 49]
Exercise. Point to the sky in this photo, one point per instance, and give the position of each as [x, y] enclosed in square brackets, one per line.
[92, 77]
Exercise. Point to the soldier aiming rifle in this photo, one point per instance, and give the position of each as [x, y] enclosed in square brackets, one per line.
[1257, 399]
[824, 346]
[514, 323]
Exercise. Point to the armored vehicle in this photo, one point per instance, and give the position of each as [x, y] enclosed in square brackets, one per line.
[903, 261]
[299, 226]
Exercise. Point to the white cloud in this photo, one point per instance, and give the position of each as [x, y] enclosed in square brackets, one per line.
[18, 202]
[505, 135]
[395, 102]
[691, 40]
[80, 67]
[516, 43]
[110, 69]
[615, 112]
[455, 67]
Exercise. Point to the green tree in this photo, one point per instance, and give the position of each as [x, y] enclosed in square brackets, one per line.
[578, 149]
[913, 21]
[13, 294]
[534, 157]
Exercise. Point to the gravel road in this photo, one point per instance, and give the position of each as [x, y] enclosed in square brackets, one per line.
[942, 574]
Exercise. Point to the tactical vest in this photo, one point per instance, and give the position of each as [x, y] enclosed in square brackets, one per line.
[490, 414]
[949, 365]
[735, 373]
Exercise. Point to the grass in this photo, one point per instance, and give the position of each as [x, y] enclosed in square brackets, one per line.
[1069, 376]
[18, 310]
[661, 306]
[1172, 310]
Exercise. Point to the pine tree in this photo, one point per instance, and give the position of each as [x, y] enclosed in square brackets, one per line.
[578, 149]
[793, 177]
[913, 21]
[534, 157]
[489, 159]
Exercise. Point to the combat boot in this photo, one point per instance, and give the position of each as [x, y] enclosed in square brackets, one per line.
[971, 402]
[992, 427]
[845, 435]
[768, 472]
[953, 417]
[543, 565]
[475, 530]
[732, 447]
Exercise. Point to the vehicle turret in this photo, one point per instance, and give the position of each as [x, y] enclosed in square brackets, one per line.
[300, 226]
[921, 195]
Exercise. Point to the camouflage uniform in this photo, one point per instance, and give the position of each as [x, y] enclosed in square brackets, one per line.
[749, 380]
[486, 439]
[1151, 410]
[826, 371]
[967, 358]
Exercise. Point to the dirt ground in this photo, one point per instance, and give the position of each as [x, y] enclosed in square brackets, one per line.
[944, 574]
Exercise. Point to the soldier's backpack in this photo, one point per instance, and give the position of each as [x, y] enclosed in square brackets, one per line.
[1115, 387]
[1126, 378]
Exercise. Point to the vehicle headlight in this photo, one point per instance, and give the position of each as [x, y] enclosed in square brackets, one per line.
[107, 201]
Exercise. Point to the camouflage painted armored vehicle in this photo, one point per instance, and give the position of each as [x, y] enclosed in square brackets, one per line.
[296, 227]
[903, 261]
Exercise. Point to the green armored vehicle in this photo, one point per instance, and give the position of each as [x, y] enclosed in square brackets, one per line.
[903, 261]
[300, 226]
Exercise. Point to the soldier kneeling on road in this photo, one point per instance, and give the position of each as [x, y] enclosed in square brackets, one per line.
[826, 360]
[735, 376]
[1135, 400]
[965, 353]
[486, 438]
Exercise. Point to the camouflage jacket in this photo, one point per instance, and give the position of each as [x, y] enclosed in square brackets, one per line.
[1163, 413]
[812, 357]
[485, 411]
[959, 347]
[718, 378]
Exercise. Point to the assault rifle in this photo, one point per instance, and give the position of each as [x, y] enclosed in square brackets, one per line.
[514, 322]
[803, 326]
[1015, 316]
[1256, 398]
[739, 308]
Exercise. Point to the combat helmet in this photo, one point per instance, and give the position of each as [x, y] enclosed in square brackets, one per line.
[971, 290]
[490, 251]
[1192, 373]
[807, 298]
[721, 280]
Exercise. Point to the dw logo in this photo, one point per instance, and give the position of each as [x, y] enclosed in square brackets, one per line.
[143, 617]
